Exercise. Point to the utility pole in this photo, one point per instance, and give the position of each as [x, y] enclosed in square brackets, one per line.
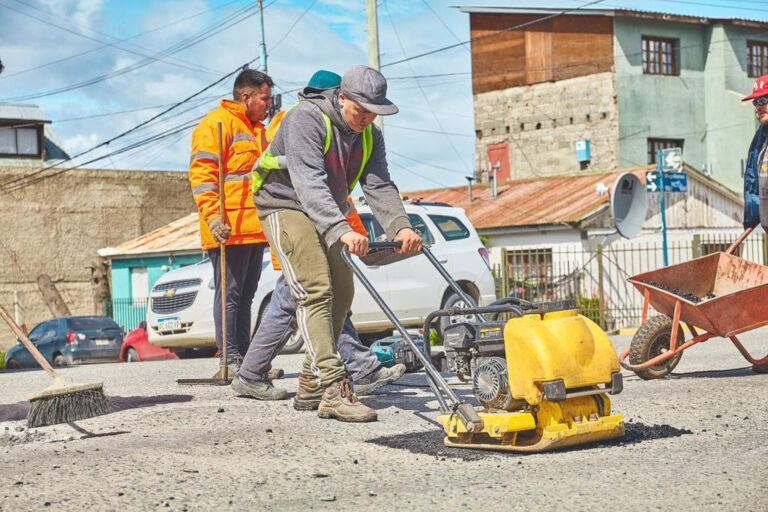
[373, 44]
[262, 45]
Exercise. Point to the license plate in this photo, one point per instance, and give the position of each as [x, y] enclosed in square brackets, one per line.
[168, 324]
[100, 341]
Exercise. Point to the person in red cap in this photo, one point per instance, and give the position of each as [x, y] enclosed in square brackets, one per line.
[756, 174]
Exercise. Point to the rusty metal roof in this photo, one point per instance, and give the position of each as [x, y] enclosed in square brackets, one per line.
[181, 235]
[561, 199]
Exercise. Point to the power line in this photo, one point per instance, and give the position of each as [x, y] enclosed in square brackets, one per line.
[492, 34]
[455, 171]
[296, 22]
[445, 24]
[15, 185]
[182, 45]
[423, 94]
[115, 45]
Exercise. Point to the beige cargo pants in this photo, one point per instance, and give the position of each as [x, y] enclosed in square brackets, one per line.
[321, 284]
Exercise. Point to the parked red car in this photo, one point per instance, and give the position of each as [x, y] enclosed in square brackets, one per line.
[136, 347]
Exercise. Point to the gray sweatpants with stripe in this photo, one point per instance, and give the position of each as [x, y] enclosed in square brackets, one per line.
[321, 285]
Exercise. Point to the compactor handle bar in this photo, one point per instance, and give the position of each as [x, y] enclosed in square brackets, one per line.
[442, 391]
[738, 241]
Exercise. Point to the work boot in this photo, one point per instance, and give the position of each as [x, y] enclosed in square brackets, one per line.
[379, 378]
[308, 395]
[233, 363]
[340, 403]
[275, 373]
[258, 389]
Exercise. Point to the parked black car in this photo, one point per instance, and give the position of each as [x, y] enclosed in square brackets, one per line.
[67, 340]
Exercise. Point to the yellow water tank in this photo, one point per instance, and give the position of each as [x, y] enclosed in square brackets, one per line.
[561, 345]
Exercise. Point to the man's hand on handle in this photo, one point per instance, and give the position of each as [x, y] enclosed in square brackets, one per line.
[219, 229]
[410, 239]
[356, 243]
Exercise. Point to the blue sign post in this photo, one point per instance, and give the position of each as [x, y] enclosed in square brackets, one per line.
[666, 178]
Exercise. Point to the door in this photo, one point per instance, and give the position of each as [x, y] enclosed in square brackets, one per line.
[498, 156]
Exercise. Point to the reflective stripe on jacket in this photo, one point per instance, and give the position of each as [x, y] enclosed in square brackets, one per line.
[242, 144]
[268, 162]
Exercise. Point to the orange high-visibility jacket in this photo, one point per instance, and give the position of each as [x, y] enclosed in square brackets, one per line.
[242, 143]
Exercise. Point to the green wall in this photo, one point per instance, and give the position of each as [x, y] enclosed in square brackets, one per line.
[700, 105]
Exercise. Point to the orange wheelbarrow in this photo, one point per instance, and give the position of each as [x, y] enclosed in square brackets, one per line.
[719, 294]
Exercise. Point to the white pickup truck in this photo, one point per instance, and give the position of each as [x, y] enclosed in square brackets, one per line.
[180, 313]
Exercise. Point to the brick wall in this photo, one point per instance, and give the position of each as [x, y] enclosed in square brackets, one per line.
[55, 227]
[542, 122]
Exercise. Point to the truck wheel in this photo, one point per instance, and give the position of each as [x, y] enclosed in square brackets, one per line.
[58, 360]
[131, 356]
[651, 340]
[11, 364]
[453, 301]
[294, 344]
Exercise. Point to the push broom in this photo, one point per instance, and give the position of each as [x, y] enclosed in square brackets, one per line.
[63, 401]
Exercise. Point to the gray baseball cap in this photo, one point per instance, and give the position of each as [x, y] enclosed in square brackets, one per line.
[368, 87]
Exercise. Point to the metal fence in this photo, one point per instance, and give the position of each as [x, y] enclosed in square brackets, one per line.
[597, 278]
[127, 312]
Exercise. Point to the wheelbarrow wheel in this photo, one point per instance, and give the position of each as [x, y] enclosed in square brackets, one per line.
[651, 340]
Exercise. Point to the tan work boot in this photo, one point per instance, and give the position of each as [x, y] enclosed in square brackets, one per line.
[275, 373]
[308, 395]
[340, 403]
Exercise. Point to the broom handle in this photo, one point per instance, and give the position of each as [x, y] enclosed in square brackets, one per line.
[223, 261]
[30, 346]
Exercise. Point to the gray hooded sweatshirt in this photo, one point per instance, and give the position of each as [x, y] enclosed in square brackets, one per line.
[318, 184]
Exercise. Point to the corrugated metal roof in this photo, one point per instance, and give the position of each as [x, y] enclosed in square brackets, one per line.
[180, 235]
[553, 200]
[668, 16]
[21, 111]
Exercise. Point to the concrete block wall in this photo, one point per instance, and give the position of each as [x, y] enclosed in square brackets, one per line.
[542, 122]
[55, 227]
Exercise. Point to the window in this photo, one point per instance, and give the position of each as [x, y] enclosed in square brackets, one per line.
[659, 56]
[22, 141]
[421, 228]
[529, 273]
[372, 226]
[139, 285]
[757, 58]
[656, 145]
[450, 227]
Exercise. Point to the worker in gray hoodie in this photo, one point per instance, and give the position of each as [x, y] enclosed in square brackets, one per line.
[328, 144]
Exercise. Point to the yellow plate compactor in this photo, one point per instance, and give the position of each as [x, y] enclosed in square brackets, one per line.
[541, 375]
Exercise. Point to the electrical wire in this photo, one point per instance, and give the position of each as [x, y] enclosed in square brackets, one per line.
[182, 45]
[423, 94]
[492, 34]
[29, 178]
[114, 44]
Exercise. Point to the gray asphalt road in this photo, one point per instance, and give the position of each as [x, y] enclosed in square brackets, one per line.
[693, 441]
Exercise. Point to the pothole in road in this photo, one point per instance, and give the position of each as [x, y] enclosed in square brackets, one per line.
[431, 443]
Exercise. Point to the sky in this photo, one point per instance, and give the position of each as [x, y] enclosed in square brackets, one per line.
[50, 46]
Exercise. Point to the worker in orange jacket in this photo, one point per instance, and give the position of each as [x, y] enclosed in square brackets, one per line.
[243, 140]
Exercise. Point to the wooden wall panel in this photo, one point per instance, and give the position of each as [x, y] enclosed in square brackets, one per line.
[554, 49]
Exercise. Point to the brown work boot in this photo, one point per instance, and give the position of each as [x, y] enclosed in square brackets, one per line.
[308, 395]
[340, 403]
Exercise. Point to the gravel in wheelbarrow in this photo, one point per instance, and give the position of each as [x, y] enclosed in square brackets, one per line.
[740, 288]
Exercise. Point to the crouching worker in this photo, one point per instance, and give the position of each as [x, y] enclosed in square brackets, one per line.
[329, 144]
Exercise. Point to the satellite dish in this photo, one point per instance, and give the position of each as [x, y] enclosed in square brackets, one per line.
[628, 205]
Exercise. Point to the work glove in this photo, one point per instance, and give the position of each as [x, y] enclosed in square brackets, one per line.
[219, 229]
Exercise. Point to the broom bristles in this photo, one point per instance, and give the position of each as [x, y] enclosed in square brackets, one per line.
[65, 403]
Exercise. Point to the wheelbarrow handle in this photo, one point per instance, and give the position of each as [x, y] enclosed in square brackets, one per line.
[739, 240]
